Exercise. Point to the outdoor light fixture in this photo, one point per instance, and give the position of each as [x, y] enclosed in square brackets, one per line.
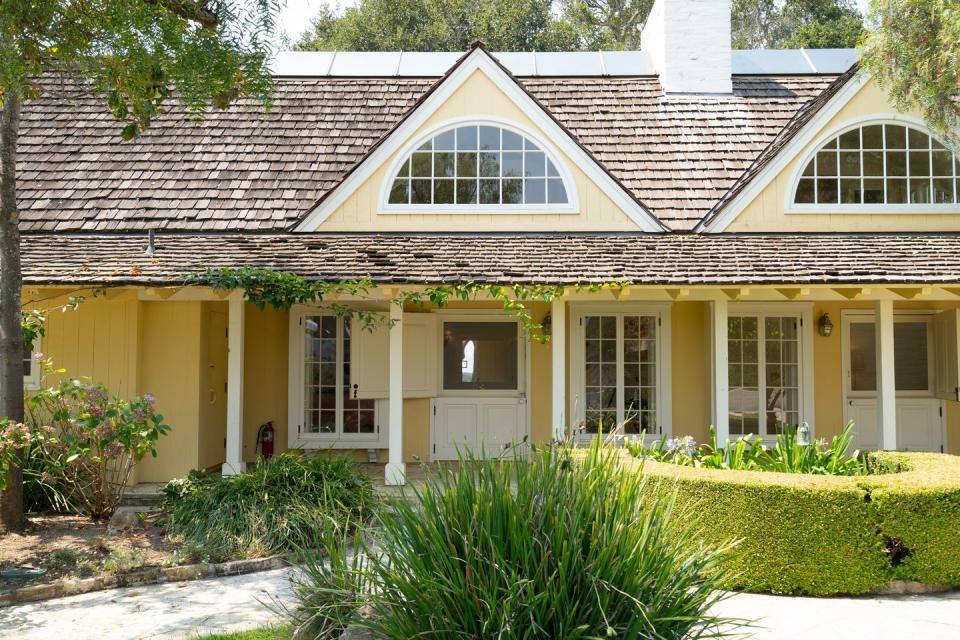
[803, 433]
[825, 326]
[547, 325]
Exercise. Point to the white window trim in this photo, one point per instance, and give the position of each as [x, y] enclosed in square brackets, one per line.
[32, 381]
[572, 206]
[849, 316]
[664, 364]
[456, 315]
[791, 208]
[296, 437]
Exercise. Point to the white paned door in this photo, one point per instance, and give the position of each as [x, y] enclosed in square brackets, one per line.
[477, 424]
[919, 424]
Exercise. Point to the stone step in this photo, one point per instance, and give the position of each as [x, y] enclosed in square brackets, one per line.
[145, 494]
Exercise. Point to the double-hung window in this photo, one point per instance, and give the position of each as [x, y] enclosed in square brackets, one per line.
[764, 373]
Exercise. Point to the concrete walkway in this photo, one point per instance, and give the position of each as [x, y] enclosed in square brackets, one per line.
[190, 609]
[173, 610]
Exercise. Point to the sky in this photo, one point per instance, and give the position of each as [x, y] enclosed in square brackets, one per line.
[297, 14]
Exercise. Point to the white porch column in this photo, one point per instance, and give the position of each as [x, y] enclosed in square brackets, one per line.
[558, 342]
[235, 334]
[886, 383]
[395, 472]
[721, 384]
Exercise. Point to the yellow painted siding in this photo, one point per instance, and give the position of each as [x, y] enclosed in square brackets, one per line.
[265, 377]
[691, 369]
[170, 369]
[766, 211]
[478, 97]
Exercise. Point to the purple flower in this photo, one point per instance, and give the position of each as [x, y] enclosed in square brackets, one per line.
[149, 399]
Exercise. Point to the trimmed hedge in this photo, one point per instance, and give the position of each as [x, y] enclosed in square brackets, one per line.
[827, 535]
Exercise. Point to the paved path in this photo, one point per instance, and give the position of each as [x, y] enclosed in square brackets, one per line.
[189, 609]
[173, 610]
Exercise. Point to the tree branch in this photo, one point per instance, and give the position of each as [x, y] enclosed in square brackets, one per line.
[198, 11]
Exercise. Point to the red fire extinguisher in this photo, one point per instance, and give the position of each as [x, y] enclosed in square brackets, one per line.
[265, 439]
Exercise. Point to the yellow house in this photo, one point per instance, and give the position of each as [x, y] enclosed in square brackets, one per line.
[783, 240]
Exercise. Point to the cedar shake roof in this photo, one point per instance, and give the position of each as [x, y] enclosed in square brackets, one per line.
[244, 169]
[643, 259]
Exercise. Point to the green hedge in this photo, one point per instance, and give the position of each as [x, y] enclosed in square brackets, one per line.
[825, 535]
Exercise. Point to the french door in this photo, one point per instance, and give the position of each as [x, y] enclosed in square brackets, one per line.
[617, 364]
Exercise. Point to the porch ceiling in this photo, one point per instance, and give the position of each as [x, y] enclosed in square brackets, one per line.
[642, 259]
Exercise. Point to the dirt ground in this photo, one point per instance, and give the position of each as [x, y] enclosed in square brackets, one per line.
[74, 546]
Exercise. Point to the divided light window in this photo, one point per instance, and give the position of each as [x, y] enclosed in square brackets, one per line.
[329, 406]
[473, 165]
[764, 373]
[881, 164]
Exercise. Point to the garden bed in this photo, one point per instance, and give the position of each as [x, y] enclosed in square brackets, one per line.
[70, 546]
[827, 535]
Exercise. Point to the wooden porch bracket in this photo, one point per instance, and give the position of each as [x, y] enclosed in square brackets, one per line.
[851, 293]
[678, 294]
[909, 293]
[793, 293]
[737, 294]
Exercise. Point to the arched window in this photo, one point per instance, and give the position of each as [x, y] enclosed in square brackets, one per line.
[876, 165]
[478, 167]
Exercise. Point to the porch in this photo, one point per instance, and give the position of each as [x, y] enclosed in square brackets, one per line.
[748, 360]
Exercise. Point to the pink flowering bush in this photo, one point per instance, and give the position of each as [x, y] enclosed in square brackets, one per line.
[86, 441]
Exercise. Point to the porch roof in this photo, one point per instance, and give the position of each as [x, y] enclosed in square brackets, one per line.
[560, 258]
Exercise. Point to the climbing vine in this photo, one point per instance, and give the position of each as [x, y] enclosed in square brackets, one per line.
[281, 290]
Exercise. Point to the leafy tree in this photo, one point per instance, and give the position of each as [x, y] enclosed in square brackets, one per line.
[440, 25]
[607, 24]
[816, 24]
[138, 54]
[913, 51]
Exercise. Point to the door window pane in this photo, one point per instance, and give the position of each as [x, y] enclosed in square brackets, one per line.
[910, 356]
[480, 355]
[639, 374]
[320, 374]
[600, 394]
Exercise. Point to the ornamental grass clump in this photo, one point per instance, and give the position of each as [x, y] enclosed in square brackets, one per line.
[280, 505]
[558, 544]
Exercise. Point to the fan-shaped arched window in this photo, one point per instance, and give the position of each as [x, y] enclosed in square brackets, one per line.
[478, 167]
[881, 164]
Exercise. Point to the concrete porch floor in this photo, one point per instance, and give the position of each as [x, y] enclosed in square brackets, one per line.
[416, 476]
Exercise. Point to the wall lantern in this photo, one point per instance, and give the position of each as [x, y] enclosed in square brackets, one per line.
[547, 325]
[825, 326]
[803, 435]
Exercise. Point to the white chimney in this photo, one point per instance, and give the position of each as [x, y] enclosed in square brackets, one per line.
[689, 45]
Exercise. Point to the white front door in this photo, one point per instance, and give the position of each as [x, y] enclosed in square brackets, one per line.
[919, 414]
[919, 424]
[488, 426]
[482, 406]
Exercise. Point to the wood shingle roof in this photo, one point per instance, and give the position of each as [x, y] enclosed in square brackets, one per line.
[245, 169]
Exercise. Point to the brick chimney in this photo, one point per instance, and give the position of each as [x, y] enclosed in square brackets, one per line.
[689, 45]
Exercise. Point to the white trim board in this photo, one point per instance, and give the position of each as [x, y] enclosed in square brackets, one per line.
[479, 59]
[787, 154]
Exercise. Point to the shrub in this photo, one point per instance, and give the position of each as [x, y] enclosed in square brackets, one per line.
[827, 535]
[81, 445]
[550, 547]
[788, 456]
[278, 506]
[124, 559]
